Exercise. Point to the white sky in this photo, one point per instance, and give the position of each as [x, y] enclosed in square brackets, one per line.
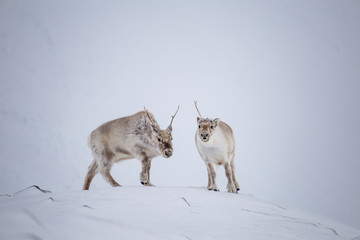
[284, 75]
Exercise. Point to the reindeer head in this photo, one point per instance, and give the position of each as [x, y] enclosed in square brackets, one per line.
[163, 137]
[206, 126]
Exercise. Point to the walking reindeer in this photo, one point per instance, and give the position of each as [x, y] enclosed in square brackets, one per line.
[216, 145]
[136, 136]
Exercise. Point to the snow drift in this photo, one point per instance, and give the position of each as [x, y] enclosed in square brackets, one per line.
[157, 213]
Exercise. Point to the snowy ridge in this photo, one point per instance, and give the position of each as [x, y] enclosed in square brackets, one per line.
[157, 213]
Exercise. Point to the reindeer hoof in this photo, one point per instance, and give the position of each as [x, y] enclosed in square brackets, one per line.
[213, 189]
[238, 189]
[147, 184]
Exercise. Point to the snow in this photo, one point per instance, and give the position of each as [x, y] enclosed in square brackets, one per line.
[157, 213]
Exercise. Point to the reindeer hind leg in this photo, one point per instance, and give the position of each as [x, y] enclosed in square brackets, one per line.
[93, 170]
[105, 172]
[106, 165]
[209, 186]
[107, 176]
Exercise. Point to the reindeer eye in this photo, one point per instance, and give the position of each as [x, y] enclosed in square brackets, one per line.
[211, 127]
[159, 139]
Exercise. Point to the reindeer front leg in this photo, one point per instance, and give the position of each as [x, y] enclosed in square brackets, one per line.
[228, 172]
[145, 172]
[212, 176]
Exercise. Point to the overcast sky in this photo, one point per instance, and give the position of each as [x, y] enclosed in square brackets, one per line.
[284, 75]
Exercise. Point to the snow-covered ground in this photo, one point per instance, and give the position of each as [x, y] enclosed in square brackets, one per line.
[157, 213]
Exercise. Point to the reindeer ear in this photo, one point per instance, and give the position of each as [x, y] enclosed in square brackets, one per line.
[198, 119]
[216, 121]
[169, 128]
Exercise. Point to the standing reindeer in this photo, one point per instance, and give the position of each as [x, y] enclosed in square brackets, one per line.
[216, 145]
[136, 136]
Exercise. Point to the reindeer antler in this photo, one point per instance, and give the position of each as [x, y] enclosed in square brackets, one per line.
[197, 108]
[147, 113]
[172, 117]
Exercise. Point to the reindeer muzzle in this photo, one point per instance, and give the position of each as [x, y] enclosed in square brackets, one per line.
[168, 153]
[204, 137]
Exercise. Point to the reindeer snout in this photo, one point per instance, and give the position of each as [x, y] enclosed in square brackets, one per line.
[168, 153]
[204, 136]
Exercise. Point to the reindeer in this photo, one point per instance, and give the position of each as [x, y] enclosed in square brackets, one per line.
[136, 136]
[216, 145]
